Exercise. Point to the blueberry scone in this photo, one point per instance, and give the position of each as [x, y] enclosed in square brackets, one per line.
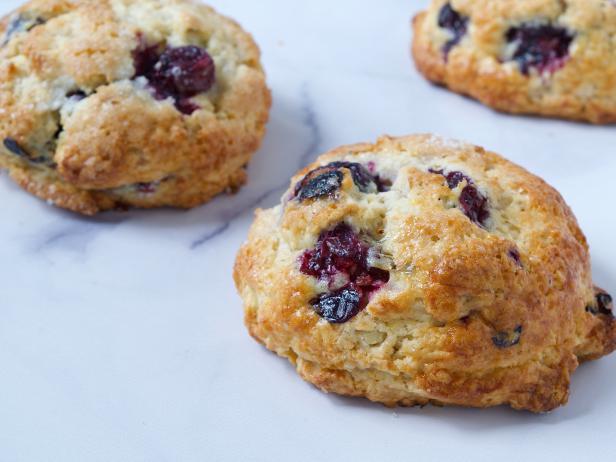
[421, 270]
[547, 57]
[116, 103]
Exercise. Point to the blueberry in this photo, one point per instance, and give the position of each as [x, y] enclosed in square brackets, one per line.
[338, 307]
[20, 23]
[455, 23]
[514, 254]
[507, 339]
[184, 71]
[361, 176]
[179, 73]
[340, 252]
[604, 304]
[474, 204]
[322, 182]
[146, 188]
[542, 47]
[76, 95]
[14, 147]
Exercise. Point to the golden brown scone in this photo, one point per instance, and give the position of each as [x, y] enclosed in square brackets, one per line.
[419, 270]
[546, 57]
[114, 103]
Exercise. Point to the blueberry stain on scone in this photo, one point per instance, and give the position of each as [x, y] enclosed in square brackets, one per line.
[543, 57]
[468, 283]
[472, 202]
[541, 47]
[325, 181]
[341, 260]
[179, 73]
[454, 23]
[110, 108]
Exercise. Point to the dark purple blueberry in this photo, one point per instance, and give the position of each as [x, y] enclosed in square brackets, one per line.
[455, 23]
[14, 147]
[145, 58]
[340, 252]
[338, 307]
[184, 71]
[20, 23]
[337, 251]
[322, 182]
[542, 47]
[76, 95]
[507, 339]
[147, 188]
[474, 204]
[179, 73]
[604, 304]
[514, 254]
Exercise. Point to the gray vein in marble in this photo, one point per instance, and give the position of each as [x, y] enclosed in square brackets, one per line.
[75, 237]
[229, 217]
[310, 121]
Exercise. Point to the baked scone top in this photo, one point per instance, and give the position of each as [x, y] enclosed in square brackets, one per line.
[421, 269]
[549, 57]
[80, 95]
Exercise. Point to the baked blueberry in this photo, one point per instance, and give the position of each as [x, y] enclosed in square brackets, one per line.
[179, 73]
[341, 258]
[455, 23]
[338, 307]
[541, 47]
[472, 202]
[507, 339]
[326, 180]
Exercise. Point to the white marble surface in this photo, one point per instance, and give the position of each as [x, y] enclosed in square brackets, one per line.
[121, 337]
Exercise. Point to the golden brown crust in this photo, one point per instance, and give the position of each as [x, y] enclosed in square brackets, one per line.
[120, 146]
[584, 89]
[430, 334]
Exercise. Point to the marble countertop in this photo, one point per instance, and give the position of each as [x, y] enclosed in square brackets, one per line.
[121, 336]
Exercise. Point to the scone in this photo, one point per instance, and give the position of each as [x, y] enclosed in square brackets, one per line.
[546, 57]
[421, 270]
[128, 103]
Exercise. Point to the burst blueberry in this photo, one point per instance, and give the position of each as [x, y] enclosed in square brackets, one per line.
[341, 255]
[179, 73]
[541, 47]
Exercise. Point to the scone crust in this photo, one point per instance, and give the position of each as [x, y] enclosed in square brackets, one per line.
[428, 335]
[119, 146]
[583, 89]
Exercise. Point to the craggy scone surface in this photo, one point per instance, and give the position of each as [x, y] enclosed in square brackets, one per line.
[107, 103]
[547, 57]
[420, 270]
